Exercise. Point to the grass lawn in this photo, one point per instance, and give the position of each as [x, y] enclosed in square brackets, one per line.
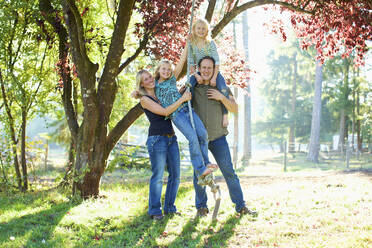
[308, 206]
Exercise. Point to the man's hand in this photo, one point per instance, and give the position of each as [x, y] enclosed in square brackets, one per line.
[215, 95]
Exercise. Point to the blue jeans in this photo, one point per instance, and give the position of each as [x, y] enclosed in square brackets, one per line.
[198, 141]
[221, 152]
[163, 153]
[220, 84]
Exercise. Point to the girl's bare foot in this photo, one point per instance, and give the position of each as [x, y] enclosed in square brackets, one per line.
[207, 172]
[212, 166]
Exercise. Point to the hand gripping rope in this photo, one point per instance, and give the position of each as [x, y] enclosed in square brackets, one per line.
[208, 180]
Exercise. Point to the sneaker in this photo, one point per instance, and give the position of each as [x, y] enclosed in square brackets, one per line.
[202, 212]
[246, 210]
[157, 217]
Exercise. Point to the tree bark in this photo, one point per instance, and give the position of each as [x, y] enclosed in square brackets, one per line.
[313, 154]
[247, 150]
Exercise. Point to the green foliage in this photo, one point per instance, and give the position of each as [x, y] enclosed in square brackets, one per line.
[129, 157]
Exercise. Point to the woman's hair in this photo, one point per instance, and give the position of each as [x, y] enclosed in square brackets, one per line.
[140, 88]
[204, 22]
[162, 62]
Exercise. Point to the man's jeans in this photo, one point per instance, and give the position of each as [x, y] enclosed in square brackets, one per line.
[198, 142]
[163, 152]
[220, 150]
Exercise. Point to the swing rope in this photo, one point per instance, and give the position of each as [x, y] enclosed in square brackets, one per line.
[208, 179]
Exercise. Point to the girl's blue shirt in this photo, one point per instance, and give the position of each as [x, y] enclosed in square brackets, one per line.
[167, 93]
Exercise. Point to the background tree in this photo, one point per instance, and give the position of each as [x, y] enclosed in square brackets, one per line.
[23, 77]
[247, 145]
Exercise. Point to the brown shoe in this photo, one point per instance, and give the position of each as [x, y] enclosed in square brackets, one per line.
[246, 210]
[202, 212]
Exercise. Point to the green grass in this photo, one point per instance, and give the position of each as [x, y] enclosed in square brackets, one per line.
[305, 207]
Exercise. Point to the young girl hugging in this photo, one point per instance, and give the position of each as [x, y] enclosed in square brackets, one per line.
[167, 93]
[202, 45]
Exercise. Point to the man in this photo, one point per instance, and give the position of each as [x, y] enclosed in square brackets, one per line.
[207, 102]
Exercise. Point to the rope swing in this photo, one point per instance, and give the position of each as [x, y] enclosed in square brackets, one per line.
[208, 180]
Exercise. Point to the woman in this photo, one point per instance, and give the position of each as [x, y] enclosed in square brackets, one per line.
[161, 144]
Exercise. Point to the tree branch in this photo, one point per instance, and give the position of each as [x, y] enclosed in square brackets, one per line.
[80, 30]
[229, 16]
[107, 84]
[121, 127]
[47, 11]
[210, 10]
[76, 30]
[141, 46]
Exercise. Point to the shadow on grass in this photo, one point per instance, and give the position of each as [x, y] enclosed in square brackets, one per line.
[192, 237]
[139, 231]
[41, 225]
[22, 200]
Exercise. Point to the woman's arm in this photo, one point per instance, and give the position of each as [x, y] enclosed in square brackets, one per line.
[180, 63]
[156, 108]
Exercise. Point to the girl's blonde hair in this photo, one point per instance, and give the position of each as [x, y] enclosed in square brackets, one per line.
[139, 87]
[204, 22]
[162, 62]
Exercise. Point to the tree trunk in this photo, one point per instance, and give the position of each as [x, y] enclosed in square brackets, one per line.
[344, 98]
[236, 116]
[291, 143]
[247, 145]
[12, 132]
[359, 138]
[23, 150]
[341, 133]
[313, 154]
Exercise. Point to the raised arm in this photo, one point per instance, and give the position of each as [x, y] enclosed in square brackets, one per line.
[180, 63]
[156, 108]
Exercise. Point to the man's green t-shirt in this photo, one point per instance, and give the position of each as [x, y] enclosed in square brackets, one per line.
[209, 111]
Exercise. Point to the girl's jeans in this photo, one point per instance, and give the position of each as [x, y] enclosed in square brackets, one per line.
[198, 141]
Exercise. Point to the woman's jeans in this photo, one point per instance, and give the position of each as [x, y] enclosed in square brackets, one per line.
[164, 153]
[198, 141]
